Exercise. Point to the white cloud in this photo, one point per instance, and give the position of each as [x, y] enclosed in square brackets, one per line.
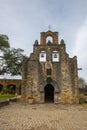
[80, 49]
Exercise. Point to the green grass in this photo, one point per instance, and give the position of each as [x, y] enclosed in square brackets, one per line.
[6, 96]
[84, 105]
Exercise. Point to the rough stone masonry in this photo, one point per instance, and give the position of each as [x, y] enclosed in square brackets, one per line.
[49, 74]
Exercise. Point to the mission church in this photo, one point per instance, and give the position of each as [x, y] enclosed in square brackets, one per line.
[49, 74]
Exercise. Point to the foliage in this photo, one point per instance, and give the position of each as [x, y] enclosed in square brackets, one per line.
[82, 83]
[4, 42]
[4, 91]
[81, 100]
[11, 89]
[82, 86]
[11, 61]
[10, 58]
[8, 90]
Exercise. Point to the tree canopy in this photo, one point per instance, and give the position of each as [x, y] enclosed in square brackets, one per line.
[12, 61]
[4, 42]
[82, 83]
[10, 58]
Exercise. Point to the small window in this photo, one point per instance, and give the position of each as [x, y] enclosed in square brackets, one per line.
[42, 56]
[55, 56]
[48, 71]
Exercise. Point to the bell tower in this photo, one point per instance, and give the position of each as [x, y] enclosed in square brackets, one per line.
[44, 35]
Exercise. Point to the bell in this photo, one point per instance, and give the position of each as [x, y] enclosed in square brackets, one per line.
[55, 55]
[42, 55]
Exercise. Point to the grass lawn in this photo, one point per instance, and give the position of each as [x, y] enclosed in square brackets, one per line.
[6, 96]
[84, 105]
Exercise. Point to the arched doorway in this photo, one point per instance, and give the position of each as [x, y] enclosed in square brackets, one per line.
[49, 93]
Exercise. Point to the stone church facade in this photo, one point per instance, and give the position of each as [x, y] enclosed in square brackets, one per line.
[49, 74]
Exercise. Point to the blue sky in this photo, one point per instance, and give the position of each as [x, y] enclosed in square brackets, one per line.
[23, 20]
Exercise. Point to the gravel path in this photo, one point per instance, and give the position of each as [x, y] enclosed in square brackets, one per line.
[17, 116]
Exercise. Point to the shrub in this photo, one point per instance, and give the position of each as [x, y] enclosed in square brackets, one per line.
[81, 100]
[4, 90]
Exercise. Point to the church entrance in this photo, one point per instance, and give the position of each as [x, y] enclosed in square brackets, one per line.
[49, 93]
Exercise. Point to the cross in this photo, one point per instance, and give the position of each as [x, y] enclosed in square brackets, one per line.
[79, 68]
[49, 27]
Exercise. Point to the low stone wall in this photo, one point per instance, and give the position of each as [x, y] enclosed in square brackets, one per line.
[4, 103]
[14, 99]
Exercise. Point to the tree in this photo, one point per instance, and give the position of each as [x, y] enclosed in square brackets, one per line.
[10, 58]
[82, 86]
[4, 45]
[11, 61]
[82, 83]
[4, 42]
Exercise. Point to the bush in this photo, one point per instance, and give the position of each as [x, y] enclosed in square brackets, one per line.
[81, 100]
[4, 90]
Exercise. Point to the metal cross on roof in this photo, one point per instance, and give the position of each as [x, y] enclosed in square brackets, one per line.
[49, 27]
